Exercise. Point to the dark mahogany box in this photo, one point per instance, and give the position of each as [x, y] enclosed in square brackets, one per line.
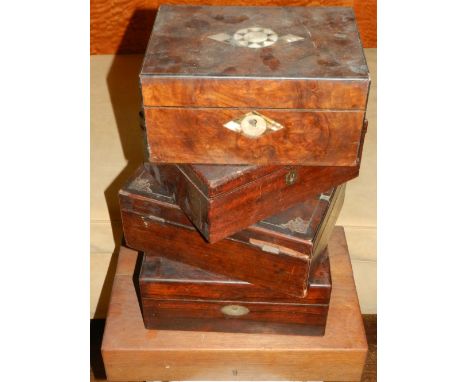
[276, 253]
[180, 297]
[254, 85]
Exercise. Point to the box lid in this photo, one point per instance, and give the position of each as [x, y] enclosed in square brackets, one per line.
[214, 179]
[243, 51]
[162, 278]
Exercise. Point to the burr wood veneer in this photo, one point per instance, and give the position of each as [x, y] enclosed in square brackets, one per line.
[254, 85]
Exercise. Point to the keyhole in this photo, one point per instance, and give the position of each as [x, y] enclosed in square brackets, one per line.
[253, 122]
[234, 310]
[291, 177]
[253, 126]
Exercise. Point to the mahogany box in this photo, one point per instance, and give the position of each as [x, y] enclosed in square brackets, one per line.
[254, 85]
[276, 253]
[177, 296]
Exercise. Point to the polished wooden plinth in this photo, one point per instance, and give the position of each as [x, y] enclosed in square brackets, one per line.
[133, 353]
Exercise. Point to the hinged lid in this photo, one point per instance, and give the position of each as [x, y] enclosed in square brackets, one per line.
[161, 278]
[270, 57]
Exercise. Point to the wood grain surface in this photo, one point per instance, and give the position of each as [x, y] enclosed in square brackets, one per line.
[315, 138]
[255, 93]
[124, 26]
[366, 16]
[265, 254]
[133, 353]
[231, 258]
[369, 374]
[213, 180]
[177, 296]
[293, 224]
[207, 316]
[164, 279]
[181, 43]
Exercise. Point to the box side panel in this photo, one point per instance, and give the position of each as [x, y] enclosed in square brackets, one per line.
[256, 93]
[285, 273]
[328, 223]
[217, 179]
[234, 316]
[192, 201]
[319, 138]
[235, 365]
[164, 279]
[259, 200]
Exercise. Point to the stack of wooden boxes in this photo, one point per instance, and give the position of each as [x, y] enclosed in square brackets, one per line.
[255, 121]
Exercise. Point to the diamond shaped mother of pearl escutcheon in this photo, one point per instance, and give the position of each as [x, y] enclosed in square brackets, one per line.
[253, 125]
[254, 37]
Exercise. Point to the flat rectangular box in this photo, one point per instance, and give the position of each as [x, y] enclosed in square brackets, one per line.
[276, 253]
[254, 85]
[133, 353]
[180, 297]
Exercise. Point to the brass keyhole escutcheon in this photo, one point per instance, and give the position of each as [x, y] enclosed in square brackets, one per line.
[235, 310]
[291, 177]
[253, 125]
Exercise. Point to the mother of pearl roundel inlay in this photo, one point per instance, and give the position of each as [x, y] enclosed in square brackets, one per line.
[255, 37]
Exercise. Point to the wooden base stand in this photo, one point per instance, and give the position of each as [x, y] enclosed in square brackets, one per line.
[133, 353]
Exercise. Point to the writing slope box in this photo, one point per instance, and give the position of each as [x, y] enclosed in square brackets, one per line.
[180, 297]
[254, 85]
[276, 253]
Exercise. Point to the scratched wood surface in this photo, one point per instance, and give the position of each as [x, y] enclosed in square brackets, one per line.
[164, 279]
[124, 26]
[227, 214]
[231, 258]
[132, 353]
[299, 42]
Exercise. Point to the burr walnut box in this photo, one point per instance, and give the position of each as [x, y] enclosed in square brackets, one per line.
[275, 253]
[254, 85]
[177, 296]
